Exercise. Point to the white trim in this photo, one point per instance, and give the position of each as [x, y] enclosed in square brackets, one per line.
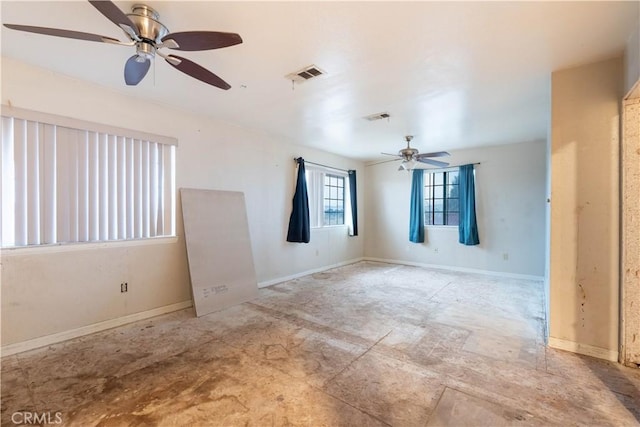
[453, 228]
[38, 116]
[272, 282]
[585, 349]
[85, 246]
[19, 347]
[459, 269]
[545, 301]
[328, 227]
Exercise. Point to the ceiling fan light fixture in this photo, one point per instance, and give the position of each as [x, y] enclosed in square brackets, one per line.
[408, 165]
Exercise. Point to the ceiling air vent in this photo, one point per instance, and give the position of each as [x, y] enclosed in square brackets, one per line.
[305, 74]
[377, 116]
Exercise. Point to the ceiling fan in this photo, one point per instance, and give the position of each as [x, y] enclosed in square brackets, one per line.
[148, 35]
[410, 156]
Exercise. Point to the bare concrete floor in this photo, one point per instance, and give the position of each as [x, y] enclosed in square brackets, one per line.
[368, 344]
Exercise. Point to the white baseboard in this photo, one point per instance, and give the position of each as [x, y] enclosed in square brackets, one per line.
[272, 282]
[458, 269]
[11, 349]
[19, 347]
[585, 349]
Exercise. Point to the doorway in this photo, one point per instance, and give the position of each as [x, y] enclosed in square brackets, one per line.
[630, 189]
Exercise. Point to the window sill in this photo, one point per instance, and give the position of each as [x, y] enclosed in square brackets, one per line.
[442, 227]
[329, 227]
[84, 246]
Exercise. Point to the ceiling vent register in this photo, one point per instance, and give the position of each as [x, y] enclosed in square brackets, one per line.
[377, 116]
[305, 74]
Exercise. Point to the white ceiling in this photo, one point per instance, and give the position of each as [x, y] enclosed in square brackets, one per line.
[455, 74]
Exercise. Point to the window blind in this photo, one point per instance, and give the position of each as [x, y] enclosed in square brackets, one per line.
[64, 184]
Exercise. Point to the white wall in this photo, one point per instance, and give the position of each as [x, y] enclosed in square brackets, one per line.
[585, 208]
[45, 291]
[510, 205]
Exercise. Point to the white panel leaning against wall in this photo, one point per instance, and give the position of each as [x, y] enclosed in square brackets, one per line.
[70, 181]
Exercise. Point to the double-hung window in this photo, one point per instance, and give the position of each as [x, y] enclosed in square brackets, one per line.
[333, 200]
[68, 181]
[327, 192]
[441, 198]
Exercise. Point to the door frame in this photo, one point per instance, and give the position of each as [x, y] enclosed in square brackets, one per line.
[630, 230]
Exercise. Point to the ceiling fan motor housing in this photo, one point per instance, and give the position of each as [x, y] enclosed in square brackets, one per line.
[151, 30]
[408, 153]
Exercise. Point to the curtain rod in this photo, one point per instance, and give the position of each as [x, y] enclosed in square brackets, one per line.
[447, 167]
[295, 159]
[426, 169]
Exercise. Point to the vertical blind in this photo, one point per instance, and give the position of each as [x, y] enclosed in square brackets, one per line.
[62, 184]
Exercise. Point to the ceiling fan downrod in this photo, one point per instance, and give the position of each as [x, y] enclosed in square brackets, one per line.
[408, 138]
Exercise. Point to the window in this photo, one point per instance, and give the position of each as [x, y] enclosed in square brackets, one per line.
[333, 206]
[66, 181]
[327, 194]
[441, 198]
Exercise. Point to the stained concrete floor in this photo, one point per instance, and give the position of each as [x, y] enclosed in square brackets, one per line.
[368, 344]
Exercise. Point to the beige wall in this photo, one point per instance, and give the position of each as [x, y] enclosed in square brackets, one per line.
[584, 247]
[48, 291]
[51, 291]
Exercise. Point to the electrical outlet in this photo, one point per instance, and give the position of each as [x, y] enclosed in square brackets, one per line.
[435, 250]
[124, 287]
[505, 256]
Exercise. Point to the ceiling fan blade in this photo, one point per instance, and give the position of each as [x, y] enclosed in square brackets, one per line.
[434, 154]
[394, 155]
[433, 162]
[383, 161]
[200, 40]
[63, 33]
[196, 71]
[135, 71]
[115, 15]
